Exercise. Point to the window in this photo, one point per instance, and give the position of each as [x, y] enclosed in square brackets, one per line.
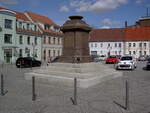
[130, 52]
[144, 44]
[108, 45]
[95, 45]
[20, 52]
[101, 44]
[8, 38]
[27, 26]
[120, 45]
[49, 40]
[44, 39]
[28, 40]
[144, 52]
[20, 39]
[58, 40]
[35, 40]
[8, 24]
[91, 45]
[54, 40]
[35, 27]
[140, 44]
[129, 44]
[49, 52]
[20, 24]
[35, 53]
[140, 52]
[115, 44]
[28, 54]
[116, 52]
[58, 52]
[134, 52]
[44, 55]
[134, 44]
[53, 52]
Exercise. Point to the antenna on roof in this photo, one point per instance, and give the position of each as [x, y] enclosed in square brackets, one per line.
[147, 10]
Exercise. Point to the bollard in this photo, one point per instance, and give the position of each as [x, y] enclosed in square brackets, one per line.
[2, 85]
[74, 101]
[126, 106]
[127, 95]
[33, 89]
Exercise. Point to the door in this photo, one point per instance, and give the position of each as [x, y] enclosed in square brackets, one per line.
[8, 55]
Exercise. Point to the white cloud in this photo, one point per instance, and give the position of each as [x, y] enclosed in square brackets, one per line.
[10, 2]
[98, 6]
[64, 9]
[105, 27]
[109, 22]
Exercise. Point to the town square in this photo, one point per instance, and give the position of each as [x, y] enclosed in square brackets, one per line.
[75, 56]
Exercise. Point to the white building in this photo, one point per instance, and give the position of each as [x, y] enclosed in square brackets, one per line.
[120, 41]
[106, 42]
[51, 36]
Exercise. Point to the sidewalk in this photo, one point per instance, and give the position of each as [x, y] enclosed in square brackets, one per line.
[56, 99]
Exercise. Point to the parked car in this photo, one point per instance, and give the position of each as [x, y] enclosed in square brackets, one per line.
[27, 62]
[142, 58]
[112, 59]
[99, 58]
[148, 64]
[126, 62]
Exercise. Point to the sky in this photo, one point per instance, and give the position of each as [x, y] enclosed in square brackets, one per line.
[97, 13]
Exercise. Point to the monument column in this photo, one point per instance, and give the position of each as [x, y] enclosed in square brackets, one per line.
[76, 41]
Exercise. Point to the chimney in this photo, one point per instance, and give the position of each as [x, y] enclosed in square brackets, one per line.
[126, 24]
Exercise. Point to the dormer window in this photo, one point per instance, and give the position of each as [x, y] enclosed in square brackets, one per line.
[28, 26]
[20, 24]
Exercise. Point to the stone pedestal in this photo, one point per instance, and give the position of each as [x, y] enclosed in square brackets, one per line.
[76, 41]
[63, 74]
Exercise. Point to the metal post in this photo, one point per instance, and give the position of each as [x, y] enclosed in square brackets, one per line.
[33, 89]
[74, 100]
[127, 95]
[75, 91]
[2, 85]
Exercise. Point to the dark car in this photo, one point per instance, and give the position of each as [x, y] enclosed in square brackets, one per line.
[148, 64]
[27, 62]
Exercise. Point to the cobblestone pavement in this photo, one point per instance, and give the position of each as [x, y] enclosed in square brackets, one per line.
[53, 98]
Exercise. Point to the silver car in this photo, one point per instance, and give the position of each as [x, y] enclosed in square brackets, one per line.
[126, 62]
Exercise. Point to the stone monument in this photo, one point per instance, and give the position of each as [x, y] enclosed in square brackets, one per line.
[75, 60]
[76, 41]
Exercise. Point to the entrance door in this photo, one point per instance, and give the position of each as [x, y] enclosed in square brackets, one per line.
[8, 55]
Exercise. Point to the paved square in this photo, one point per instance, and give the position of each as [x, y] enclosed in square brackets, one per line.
[53, 98]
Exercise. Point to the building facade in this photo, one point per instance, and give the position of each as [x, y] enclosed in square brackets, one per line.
[120, 41]
[28, 37]
[7, 35]
[51, 36]
[26, 34]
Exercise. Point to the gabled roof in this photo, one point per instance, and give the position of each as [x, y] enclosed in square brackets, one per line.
[136, 34]
[38, 18]
[21, 16]
[114, 34]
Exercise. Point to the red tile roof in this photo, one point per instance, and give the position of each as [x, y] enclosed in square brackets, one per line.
[39, 18]
[21, 16]
[115, 34]
[136, 34]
